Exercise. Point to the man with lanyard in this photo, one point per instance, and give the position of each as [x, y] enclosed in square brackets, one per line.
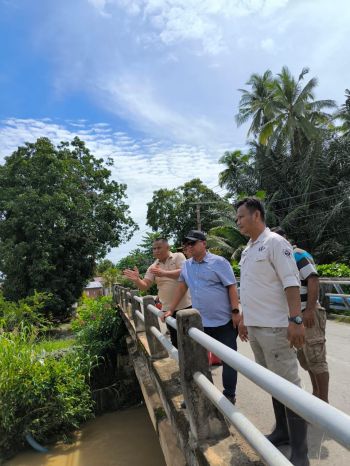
[271, 315]
[164, 271]
[312, 356]
[212, 284]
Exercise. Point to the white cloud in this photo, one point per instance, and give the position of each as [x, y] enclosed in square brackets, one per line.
[268, 45]
[144, 165]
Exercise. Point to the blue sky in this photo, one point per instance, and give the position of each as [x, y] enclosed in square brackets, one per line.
[155, 81]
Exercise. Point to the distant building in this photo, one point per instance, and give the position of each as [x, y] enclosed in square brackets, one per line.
[93, 289]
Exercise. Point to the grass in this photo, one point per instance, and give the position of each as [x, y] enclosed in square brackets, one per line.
[50, 345]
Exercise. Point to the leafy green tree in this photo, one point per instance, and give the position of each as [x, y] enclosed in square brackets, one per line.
[59, 213]
[173, 212]
[111, 276]
[136, 258]
[103, 265]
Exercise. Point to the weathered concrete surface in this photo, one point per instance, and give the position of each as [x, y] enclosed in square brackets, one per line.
[256, 404]
[163, 384]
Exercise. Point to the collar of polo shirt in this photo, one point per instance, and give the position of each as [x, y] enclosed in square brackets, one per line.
[260, 237]
[170, 256]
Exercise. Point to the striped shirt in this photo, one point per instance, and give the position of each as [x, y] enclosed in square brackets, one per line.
[307, 268]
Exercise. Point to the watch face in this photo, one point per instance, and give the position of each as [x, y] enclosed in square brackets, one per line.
[298, 319]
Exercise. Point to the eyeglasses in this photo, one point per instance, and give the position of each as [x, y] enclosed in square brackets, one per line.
[190, 243]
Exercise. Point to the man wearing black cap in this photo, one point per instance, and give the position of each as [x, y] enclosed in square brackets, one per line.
[212, 285]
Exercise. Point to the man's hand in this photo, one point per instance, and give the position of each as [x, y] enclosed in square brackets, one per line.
[166, 314]
[236, 318]
[132, 275]
[309, 318]
[157, 271]
[296, 335]
[242, 331]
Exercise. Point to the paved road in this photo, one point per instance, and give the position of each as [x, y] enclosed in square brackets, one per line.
[256, 404]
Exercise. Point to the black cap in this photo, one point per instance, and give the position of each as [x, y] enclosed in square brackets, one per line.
[195, 235]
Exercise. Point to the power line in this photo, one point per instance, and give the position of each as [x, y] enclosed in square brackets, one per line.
[311, 192]
[315, 201]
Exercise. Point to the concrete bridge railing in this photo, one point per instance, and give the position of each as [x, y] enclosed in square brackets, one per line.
[206, 420]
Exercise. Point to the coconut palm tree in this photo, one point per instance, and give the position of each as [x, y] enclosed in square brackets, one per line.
[298, 116]
[238, 176]
[343, 114]
[257, 103]
[283, 110]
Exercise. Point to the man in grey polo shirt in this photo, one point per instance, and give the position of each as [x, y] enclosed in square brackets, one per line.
[270, 299]
[212, 284]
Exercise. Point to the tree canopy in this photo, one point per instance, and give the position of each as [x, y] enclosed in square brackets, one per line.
[59, 213]
[298, 161]
[173, 212]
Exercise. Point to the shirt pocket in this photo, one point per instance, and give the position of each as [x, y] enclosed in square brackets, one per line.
[209, 276]
[262, 256]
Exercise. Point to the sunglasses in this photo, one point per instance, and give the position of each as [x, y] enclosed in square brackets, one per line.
[190, 243]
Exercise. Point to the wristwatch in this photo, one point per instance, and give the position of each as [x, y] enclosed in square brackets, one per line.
[297, 320]
[235, 311]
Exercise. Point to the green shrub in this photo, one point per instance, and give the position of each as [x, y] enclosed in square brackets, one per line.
[46, 397]
[97, 326]
[335, 269]
[24, 314]
[236, 269]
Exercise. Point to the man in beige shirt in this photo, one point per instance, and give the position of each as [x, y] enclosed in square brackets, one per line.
[164, 271]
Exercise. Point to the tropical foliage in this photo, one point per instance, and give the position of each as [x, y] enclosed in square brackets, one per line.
[173, 212]
[43, 396]
[59, 213]
[297, 160]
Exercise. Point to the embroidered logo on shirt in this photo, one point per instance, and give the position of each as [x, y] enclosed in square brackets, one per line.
[261, 248]
[287, 253]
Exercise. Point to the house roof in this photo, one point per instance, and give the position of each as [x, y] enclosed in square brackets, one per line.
[94, 284]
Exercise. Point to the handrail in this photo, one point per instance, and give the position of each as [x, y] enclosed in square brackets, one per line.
[247, 429]
[333, 421]
[312, 409]
[253, 436]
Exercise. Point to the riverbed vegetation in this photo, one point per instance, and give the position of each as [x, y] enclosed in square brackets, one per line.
[46, 385]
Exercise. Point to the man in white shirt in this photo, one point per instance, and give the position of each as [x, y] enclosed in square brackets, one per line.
[270, 299]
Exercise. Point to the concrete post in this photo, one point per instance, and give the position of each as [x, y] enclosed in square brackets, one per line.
[126, 300]
[205, 420]
[136, 306]
[115, 294]
[157, 350]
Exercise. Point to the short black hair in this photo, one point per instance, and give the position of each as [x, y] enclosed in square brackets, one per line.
[252, 204]
[160, 239]
[280, 231]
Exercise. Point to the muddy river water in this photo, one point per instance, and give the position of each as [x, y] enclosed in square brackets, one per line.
[122, 438]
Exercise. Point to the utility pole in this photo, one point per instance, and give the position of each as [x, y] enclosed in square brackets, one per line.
[198, 212]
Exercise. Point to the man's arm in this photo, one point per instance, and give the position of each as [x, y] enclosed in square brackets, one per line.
[178, 295]
[233, 296]
[134, 276]
[311, 304]
[158, 272]
[296, 332]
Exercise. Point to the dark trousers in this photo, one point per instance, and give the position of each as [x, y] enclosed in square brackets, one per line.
[172, 331]
[226, 334]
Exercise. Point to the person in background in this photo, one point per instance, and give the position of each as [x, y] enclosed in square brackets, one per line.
[312, 356]
[212, 284]
[164, 272]
[271, 315]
